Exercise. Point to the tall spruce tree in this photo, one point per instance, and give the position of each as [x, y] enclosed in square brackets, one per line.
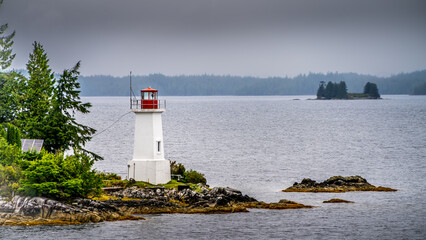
[342, 90]
[9, 82]
[10, 95]
[330, 91]
[6, 42]
[367, 88]
[50, 105]
[13, 136]
[64, 132]
[37, 97]
[374, 91]
[321, 90]
[371, 90]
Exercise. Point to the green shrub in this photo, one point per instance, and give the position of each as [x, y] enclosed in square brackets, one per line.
[9, 154]
[177, 168]
[2, 132]
[9, 180]
[10, 168]
[192, 176]
[59, 177]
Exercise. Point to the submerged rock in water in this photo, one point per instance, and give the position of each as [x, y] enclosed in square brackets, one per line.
[336, 184]
[337, 200]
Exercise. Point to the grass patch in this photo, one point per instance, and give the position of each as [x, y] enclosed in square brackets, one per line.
[358, 96]
[130, 199]
[173, 184]
[103, 197]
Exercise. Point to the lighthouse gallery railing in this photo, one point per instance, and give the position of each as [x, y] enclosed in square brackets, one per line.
[147, 104]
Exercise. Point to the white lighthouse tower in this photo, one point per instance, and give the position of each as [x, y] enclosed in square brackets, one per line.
[148, 163]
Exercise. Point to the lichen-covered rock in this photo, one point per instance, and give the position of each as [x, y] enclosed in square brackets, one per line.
[38, 210]
[220, 196]
[216, 200]
[336, 184]
[121, 204]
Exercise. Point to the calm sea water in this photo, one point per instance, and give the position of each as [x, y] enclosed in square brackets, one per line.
[261, 145]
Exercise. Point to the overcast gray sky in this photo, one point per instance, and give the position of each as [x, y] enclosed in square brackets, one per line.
[237, 37]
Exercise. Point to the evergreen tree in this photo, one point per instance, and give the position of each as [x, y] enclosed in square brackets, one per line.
[342, 90]
[321, 90]
[6, 42]
[13, 136]
[330, 91]
[367, 88]
[335, 90]
[37, 97]
[371, 90]
[63, 131]
[10, 94]
[9, 82]
[374, 91]
[49, 106]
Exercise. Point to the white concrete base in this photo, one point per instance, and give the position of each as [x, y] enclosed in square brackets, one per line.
[154, 171]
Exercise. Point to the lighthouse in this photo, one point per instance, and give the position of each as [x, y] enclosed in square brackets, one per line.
[148, 163]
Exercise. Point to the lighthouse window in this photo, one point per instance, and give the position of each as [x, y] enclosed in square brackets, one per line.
[158, 146]
[146, 95]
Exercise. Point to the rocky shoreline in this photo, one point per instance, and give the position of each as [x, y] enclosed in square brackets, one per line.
[216, 200]
[43, 211]
[336, 184]
[122, 204]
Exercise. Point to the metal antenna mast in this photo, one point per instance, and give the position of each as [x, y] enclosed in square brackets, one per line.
[130, 94]
[134, 99]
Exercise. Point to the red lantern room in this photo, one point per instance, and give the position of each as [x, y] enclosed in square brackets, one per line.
[149, 98]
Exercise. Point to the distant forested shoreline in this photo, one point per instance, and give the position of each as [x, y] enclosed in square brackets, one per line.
[207, 85]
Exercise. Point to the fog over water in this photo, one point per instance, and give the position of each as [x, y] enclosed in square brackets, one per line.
[239, 37]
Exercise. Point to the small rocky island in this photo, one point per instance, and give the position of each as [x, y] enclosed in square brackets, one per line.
[339, 91]
[336, 184]
[122, 203]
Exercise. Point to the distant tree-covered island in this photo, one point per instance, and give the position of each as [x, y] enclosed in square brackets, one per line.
[339, 91]
[214, 85]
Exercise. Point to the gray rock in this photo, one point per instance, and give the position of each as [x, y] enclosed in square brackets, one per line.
[24, 209]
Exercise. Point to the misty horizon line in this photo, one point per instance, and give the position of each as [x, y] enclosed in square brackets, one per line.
[237, 76]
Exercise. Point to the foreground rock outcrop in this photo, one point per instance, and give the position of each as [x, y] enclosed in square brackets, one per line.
[218, 200]
[38, 210]
[336, 184]
[120, 205]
